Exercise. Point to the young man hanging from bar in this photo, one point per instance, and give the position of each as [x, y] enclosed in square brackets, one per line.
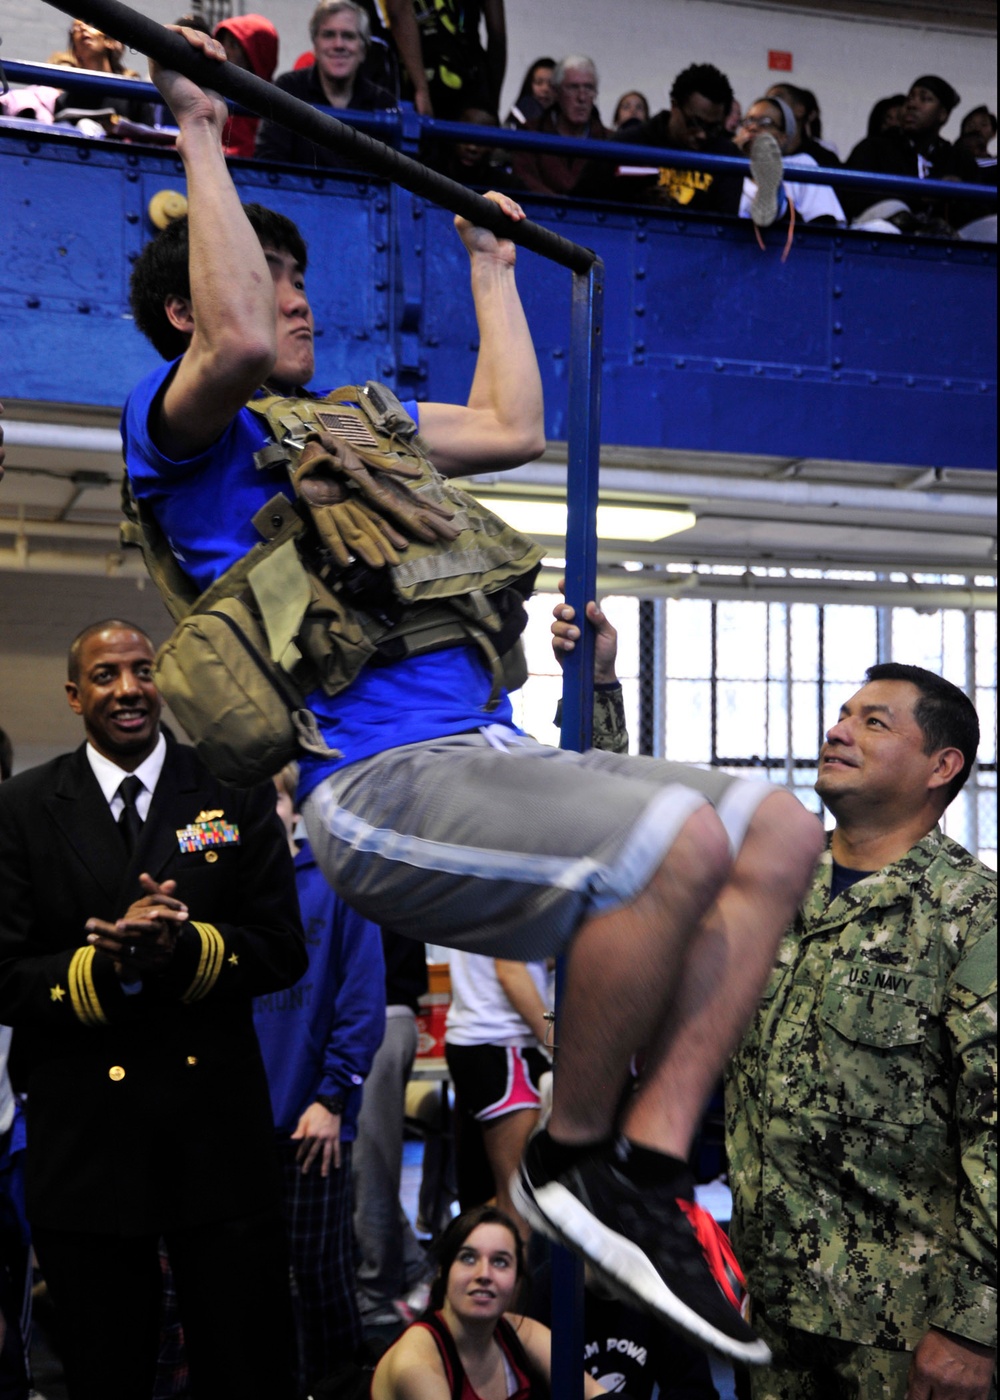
[385, 601]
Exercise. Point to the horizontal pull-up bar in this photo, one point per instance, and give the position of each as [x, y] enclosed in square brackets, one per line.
[170, 50]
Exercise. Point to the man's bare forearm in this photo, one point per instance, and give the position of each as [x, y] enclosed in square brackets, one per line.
[231, 289]
[230, 315]
[406, 37]
[507, 381]
[502, 423]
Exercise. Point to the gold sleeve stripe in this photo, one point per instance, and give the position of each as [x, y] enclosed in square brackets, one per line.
[209, 964]
[83, 993]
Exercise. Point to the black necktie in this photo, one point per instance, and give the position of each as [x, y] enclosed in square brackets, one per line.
[130, 823]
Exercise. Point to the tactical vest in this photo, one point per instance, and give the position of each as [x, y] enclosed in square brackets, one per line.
[283, 621]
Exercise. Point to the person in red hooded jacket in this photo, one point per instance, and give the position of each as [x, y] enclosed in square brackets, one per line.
[251, 42]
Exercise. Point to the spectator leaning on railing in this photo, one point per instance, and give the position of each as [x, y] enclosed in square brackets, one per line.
[573, 114]
[700, 102]
[918, 149]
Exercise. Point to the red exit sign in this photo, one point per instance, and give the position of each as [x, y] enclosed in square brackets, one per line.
[779, 60]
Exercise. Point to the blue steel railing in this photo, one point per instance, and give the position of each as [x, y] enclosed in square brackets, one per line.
[393, 128]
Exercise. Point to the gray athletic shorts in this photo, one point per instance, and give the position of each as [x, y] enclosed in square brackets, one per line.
[496, 844]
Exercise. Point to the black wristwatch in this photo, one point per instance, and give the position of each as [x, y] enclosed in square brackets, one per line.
[333, 1103]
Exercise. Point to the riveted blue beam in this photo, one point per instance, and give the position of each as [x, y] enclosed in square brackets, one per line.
[860, 347]
[75, 216]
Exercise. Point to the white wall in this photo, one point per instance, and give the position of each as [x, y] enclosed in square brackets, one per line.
[849, 63]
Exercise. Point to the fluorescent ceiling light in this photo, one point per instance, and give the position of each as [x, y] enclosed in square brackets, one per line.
[548, 519]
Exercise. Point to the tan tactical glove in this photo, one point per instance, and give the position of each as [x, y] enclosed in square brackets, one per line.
[345, 523]
[383, 494]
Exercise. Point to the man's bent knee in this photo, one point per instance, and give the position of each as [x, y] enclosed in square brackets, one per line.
[697, 864]
[791, 837]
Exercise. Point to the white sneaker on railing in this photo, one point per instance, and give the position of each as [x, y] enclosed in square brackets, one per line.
[767, 172]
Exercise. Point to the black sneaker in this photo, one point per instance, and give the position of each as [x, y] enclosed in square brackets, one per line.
[654, 1249]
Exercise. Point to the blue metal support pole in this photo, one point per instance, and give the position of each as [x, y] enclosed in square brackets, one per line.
[584, 442]
[586, 332]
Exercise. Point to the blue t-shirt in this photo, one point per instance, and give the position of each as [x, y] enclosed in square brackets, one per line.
[205, 507]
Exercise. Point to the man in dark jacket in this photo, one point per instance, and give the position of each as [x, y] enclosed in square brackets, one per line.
[144, 906]
[700, 100]
[340, 32]
[573, 114]
[918, 149]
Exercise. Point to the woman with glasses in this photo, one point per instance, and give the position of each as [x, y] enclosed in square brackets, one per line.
[766, 134]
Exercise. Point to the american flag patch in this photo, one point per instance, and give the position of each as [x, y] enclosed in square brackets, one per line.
[348, 426]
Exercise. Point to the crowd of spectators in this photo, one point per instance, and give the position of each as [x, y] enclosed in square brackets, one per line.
[449, 59]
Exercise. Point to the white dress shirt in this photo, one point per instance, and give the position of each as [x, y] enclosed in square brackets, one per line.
[109, 775]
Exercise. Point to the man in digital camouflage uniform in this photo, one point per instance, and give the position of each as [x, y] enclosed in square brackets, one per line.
[861, 1105]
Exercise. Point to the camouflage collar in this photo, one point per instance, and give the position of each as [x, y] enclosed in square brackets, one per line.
[891, 885]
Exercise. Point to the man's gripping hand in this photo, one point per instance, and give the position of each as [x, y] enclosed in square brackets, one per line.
[480, 240]
[566, 634]
[188, 102]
